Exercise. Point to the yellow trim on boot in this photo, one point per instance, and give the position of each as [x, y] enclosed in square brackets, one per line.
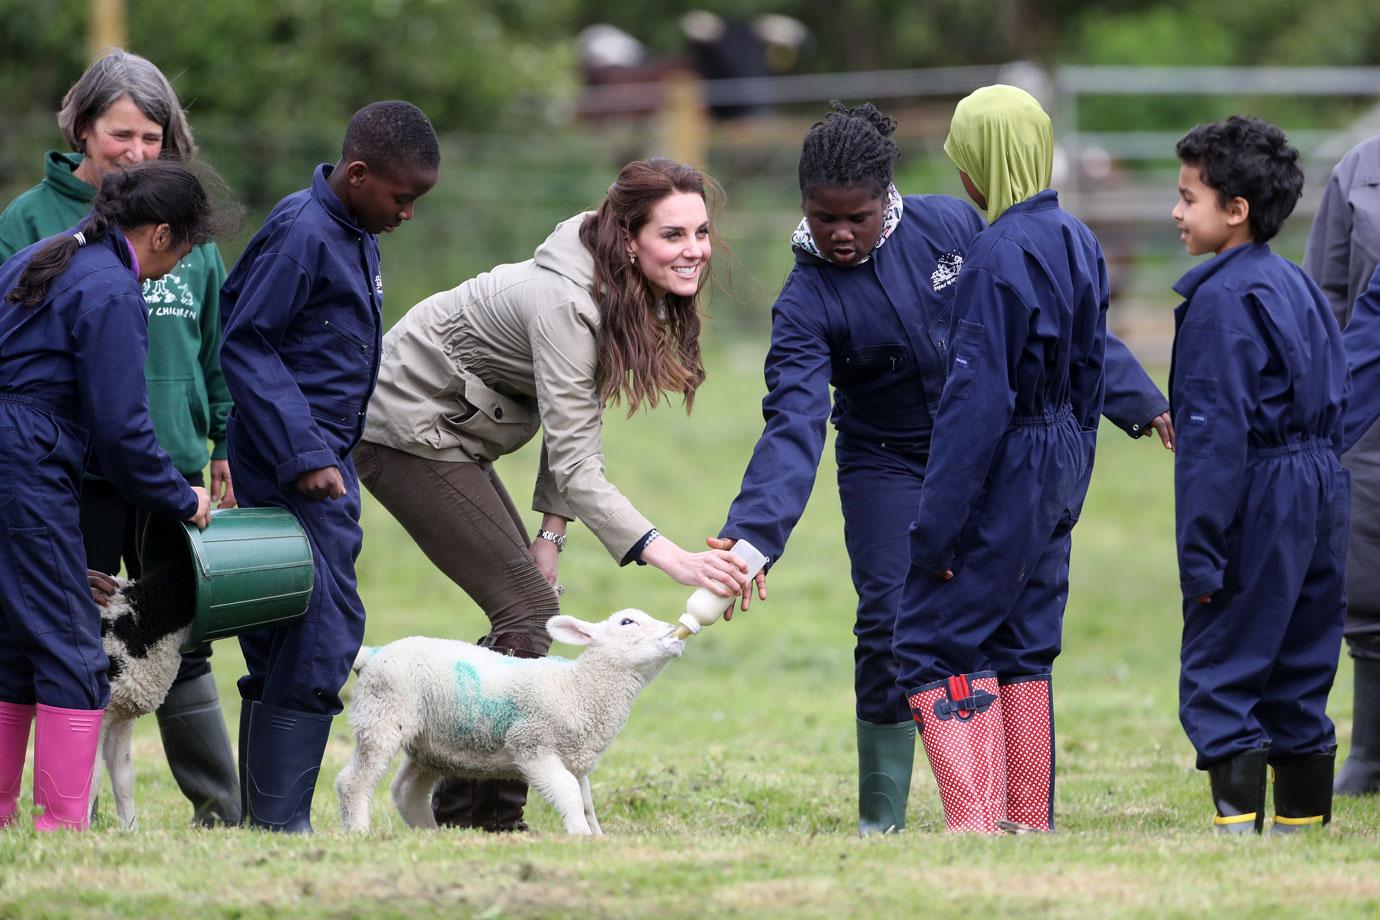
[1238, 819]
[1298, 822]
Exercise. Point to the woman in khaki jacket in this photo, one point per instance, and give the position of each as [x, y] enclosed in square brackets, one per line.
[605, 311]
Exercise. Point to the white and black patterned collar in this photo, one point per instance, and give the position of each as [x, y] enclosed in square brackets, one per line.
[803, 240]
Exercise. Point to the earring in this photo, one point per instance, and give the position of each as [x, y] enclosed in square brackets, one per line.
[632, 258]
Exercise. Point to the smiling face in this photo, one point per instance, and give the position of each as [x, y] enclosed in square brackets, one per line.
[672, 248]
[122, 136]
[845, 222]
[383, 199]
[1205, 224]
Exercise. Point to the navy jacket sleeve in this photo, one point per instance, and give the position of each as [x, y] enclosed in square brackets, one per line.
[269, 403]
[1217, 374]
[111, 343]
[1362, 340]
[781, 473]
[974, 413]
[1131, 399]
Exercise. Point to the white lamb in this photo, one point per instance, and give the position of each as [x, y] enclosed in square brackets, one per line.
[456, 709]
[143, 626]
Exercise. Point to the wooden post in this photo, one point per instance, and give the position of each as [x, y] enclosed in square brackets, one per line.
[685, 119]
[106, 25]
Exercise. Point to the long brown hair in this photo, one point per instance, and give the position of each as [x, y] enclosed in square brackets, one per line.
[642, 355]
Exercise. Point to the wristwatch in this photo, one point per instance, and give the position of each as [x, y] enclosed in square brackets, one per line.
[556, 538]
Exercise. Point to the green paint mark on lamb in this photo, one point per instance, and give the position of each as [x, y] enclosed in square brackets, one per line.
[480, 714]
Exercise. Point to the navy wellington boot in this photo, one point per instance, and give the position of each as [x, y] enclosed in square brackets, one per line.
[281, 765]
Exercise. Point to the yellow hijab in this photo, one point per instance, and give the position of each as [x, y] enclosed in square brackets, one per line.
[1003, 140]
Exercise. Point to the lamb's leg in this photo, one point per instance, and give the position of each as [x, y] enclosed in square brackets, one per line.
[411, 790]
[559, 787]
[355, 784]
[95, 797]
[588, 798]
[115, 750]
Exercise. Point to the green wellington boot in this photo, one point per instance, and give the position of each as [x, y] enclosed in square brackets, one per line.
[886, 754]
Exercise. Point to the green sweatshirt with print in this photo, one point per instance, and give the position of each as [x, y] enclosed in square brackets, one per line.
[188, 399]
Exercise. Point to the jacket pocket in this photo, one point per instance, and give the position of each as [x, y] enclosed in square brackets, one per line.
[1339, 534]
[967, 345]
[486, 425]
[1196, 420]
[181, 423]
[40, 577]
[9, 466]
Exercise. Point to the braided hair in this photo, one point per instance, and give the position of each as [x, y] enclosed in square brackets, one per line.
[152, 192]
[851, 147]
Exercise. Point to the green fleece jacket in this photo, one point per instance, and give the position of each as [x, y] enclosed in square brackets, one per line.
[188, 399]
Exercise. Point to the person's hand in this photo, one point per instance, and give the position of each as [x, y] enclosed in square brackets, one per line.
[760, 579]
[103, 587]
[203, 508]
[547, 558]
[945, 575]
[222, 489]
[323, 483]
[1162, 425]
[718, 570]
[1204, 599]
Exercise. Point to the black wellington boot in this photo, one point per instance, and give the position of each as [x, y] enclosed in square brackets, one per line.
[198, 751]
[281, 767]
[1238, 792]
[1303, 793]
[1360, 772]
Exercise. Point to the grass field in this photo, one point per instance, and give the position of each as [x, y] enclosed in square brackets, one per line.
[731, 792]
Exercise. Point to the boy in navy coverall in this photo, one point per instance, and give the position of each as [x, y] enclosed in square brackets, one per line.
[1261, 499]
[301, 354]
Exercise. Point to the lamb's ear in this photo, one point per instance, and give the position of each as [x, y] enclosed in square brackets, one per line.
[570, 630]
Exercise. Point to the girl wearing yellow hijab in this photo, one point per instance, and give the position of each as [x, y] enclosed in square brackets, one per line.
[981, 614]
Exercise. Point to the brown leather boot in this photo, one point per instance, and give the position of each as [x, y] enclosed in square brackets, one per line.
[493, 804]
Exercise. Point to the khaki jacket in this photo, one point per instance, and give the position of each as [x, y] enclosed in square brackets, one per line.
[472, 373]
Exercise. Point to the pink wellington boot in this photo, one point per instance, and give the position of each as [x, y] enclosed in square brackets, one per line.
[14, 744]
[960, 725]
[65, 742]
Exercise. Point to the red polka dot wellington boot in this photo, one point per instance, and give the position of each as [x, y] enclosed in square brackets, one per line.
[961, 727]
[1027, 715]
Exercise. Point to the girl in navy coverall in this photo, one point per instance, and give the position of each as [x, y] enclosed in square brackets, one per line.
[73, 337]
[301, 353]
[1261, 500]
[867, 310]
[981, 613]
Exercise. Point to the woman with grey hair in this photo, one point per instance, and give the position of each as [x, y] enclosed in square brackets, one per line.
[121, 112]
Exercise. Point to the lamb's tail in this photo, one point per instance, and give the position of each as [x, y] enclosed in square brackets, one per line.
[366, 653]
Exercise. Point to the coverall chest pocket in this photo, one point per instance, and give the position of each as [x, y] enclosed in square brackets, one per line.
[1197, 418]
[329, 346]
[967, 346]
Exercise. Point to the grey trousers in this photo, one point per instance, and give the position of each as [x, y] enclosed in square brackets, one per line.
[464, 520]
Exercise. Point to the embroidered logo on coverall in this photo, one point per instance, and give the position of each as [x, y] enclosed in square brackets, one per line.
[946, 270]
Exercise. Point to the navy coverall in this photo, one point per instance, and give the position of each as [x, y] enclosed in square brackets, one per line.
[71, 377]
[878, 333]
[1261, 503]
[303, 326]
[1012, 452]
